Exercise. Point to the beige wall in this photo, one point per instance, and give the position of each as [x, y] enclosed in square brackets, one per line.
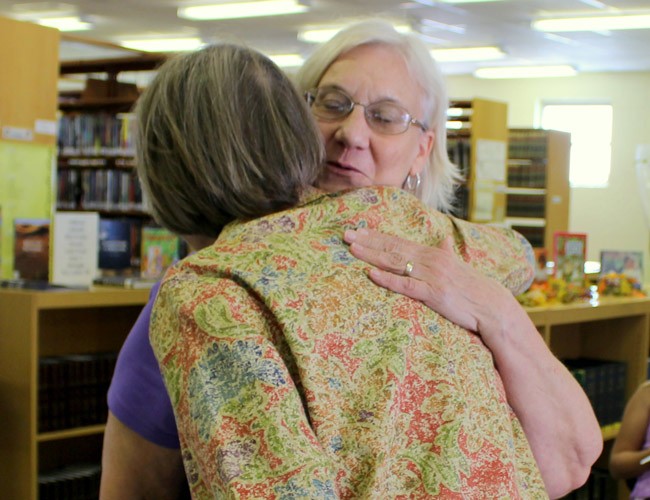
[612, 217]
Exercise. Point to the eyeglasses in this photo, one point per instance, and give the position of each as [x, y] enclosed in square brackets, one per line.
[384, 117]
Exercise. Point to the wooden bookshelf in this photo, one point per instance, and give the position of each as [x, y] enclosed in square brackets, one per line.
[479, 147]
[34, 325]
[538, 192]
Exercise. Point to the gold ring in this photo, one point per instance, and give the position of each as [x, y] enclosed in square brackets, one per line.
[409, 268]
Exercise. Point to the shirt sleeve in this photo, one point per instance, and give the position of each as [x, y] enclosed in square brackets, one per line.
[137, 394]
[242, 424]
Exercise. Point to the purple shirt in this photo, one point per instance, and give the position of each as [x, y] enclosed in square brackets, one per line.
[137, 395]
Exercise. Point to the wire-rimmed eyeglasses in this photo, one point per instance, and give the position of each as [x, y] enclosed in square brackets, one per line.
[384, 117]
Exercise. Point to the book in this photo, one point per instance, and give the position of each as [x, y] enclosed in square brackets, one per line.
[75, 248]
[160, 249]
[114, 244]
[569, 255]
[620, 262]
[31, 249]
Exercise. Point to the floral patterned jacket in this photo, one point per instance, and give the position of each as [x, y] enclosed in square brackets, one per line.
[293, 376]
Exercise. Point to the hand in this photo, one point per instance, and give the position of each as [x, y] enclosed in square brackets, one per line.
[439, 278]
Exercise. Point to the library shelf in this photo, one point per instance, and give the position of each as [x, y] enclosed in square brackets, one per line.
[39, 325]
[538, 184]
[477, 135]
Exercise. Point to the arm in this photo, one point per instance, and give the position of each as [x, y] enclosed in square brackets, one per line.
[553, 409]
[141, 456]
[135, 468]
[628, 450]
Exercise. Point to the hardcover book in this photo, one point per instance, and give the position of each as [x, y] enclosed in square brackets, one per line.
[114, 244]
[32, 249]
[569, 254]
[160, 249]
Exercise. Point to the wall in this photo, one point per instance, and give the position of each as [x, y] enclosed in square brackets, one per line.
[613, 216]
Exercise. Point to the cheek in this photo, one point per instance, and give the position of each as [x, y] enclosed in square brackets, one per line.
[327, 131]
[393, 159]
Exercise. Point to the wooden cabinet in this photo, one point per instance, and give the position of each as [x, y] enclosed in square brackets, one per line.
[612, 329]
[35, 325]
[477, 135]
[538, 193]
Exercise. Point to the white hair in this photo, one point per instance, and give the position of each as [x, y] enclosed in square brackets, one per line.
[440, 175]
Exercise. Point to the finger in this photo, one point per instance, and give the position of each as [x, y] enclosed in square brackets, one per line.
[389, 261]
[404, 285]
[375, 240]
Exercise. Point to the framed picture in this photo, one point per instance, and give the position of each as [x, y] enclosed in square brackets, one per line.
[622, 262]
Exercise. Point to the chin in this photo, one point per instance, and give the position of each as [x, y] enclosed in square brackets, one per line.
[334, 184]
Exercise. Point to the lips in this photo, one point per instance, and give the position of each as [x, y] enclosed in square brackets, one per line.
[338, 167]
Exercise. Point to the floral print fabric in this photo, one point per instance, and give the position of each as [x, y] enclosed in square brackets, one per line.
[293, 376]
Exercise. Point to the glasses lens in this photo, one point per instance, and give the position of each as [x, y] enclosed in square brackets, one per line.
[387, 117]
[331, 104]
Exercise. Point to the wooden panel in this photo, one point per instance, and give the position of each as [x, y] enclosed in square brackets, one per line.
[558, 192]
[17, 397]
[28, 80]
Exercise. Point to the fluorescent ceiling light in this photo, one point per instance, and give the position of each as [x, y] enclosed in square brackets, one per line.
[467, 54]
[323, 34]
[72, 23]
[525, 72]
[287, 60]
[468, 1]
[594, 23]
[241, 9]
[163, 44]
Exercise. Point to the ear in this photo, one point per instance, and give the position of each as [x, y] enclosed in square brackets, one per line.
[425, 145]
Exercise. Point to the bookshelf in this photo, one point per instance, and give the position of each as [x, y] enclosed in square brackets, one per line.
[39, 325]
[477, 135]
[538, 192]
[95, 164]
[611, 329]
[95, 168]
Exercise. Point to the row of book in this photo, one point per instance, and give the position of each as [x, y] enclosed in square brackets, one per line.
[527, 143]
[73, 482]
[100, 134]
[99, 189]
[72, 390]
[604, 383]
[123, 245]
[526, 205]
[529, 174]
[458, 149]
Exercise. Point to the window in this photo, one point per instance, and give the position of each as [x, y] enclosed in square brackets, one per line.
[590, 126]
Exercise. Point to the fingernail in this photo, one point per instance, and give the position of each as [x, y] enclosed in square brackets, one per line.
[349, 235]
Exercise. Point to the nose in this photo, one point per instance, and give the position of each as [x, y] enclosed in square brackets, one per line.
[353, 131]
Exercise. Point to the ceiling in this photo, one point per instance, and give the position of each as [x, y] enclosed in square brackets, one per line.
[504, 23]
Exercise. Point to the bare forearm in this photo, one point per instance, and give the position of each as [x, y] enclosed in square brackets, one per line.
[554, 411]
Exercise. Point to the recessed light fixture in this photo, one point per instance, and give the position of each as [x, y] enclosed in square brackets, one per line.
[287, 60]
[163, 44]
[594, 23]
[467, 54]
[71, 23]
[526, 71]
[237, 10]
[322, 34]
